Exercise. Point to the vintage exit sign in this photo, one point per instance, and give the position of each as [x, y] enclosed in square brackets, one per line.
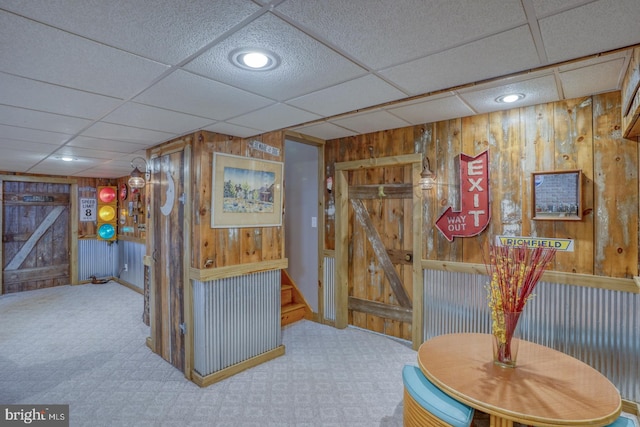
[474, 213]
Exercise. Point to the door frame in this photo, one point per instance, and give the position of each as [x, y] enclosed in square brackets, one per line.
[319, 144]
[184, 146]
[73, 218]
[342, 236]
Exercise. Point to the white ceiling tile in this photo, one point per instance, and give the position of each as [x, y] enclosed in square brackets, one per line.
[549, 7]
[565, 34]
[84, 153]
[503, 53]
[432, 110]
[25, 93]
[225, 128]
[35, 147]
[61, 58]
[38, 120]
[603, 77]
[325, 130]
[126, 133]
[113, 146]
[349, 96]
[305, 64]
[144, 116]
[142, 27]
[380, 35]
[33, 135]
[188, 93]
[537, 90]
[375, 120]
[53, 166]
[16, 160]
[277, 116]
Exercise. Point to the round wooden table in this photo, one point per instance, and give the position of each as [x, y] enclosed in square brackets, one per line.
[546, 388]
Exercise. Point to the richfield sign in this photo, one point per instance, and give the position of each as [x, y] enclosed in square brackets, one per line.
[474, 213]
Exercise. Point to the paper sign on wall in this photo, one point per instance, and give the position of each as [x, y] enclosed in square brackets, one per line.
[88, 210]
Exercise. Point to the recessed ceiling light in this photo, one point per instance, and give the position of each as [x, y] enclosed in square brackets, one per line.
[254, 59]
[67, 158]
[509, 98]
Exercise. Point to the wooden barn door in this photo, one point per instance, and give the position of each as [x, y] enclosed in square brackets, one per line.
[380, 243]
[167, 248]
[35, 235]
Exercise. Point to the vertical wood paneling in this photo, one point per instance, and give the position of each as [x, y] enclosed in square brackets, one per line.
[616, 190]
[574, 150]
[546, 137]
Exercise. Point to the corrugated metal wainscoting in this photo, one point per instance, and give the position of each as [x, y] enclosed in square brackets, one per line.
[329, 293]
[132, 254]
[97, 258]
[598, 326]
[235, 319]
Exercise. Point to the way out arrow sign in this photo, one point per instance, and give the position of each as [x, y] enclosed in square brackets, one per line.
[474, 215]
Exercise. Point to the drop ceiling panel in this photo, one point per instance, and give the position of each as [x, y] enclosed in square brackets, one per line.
[564, 34]
[349, 96]
[274, 117]
[153, 118]
[16, 160]
[83, 154]
[200, 96]
[113, 146]
[380, 35]
[225, 128]
[432, 110]
[143, 27]
[376, 119]
[126, 133]
[31, 94]
[306, 65]
[599, 78]
[55, 166]
[41, 121]
[538, 90]
[325, 130]
[503, 53]
[34, 147]
[61, 58]
[33, 135]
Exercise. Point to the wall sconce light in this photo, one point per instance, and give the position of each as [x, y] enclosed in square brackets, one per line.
[427, 176]
[137, 179]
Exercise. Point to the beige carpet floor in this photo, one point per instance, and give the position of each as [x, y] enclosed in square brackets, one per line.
[85, 346]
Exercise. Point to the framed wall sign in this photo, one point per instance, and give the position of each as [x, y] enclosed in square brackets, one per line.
[246, 192]
[557, 195]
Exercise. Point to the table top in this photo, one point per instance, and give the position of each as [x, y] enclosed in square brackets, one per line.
[546, 388]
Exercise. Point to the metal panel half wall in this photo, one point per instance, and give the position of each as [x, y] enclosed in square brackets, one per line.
[236, 321]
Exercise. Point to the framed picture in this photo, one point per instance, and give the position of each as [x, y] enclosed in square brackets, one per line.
[246, 192]
[557, 195]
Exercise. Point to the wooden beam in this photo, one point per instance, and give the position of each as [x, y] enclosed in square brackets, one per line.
[390, 191]
[379, 163]
[204, 275]
[417, 329]
[342, 249]
[394, 312]
[381, 253]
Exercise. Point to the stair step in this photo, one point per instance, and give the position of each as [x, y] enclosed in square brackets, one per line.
[291, 313]
[286, 295]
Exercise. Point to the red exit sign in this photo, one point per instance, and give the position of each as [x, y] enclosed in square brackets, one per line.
[474, 213]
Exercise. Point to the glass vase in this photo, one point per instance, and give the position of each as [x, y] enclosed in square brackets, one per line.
[506, 337]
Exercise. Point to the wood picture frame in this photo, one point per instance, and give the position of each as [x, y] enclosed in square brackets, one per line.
[246, 192]
[557, 195]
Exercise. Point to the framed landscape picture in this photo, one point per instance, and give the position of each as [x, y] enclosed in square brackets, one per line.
[246, 192]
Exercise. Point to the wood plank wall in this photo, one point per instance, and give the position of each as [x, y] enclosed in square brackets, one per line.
[224, 247]
[583, 133]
